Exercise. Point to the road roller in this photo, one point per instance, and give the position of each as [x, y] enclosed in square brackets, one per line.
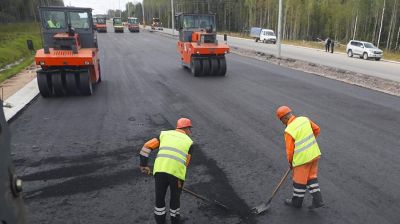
[198, 45]
[69, 59]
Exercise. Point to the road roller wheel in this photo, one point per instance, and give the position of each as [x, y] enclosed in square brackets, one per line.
[196, 67]
[206, 67]
[71, 82]
[214, 66]
[222, 67]
[58, 85]
[44, 83]
[85, 84]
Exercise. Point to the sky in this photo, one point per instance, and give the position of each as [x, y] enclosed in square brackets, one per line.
[100, 6]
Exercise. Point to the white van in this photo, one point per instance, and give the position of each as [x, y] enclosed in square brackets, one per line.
[264, 35]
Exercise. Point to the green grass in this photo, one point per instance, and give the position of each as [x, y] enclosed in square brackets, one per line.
[13, 46]
[16, 69]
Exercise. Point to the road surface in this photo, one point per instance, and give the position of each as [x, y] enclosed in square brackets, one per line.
[78, 156]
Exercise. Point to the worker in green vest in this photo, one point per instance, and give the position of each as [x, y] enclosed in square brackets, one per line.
[303, 155]
[169, 168]
[52, 23]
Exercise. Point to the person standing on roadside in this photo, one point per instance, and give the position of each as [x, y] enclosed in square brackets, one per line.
[327, 44]
[332, 46]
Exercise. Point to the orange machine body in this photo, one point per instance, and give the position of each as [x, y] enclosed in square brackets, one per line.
[101, 27]
[197, 48]
[85, 58]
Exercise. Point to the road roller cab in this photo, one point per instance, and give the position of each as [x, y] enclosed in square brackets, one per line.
[69, 60]
[198, 45]
[101, 24]
[133, 24]
[117, 24]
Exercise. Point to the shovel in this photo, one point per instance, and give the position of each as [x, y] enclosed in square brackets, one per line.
[205, 199]
[265, 206]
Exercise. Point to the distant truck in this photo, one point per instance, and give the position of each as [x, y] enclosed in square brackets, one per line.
[264, 35]
[117, 24]
[156, 24]
[101, 25]
[133, 24]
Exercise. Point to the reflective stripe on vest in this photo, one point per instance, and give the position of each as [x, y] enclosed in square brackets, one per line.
[173, 152]
[172, 157]
[306, 146]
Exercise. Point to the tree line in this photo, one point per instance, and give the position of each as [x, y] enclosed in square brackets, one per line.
[377, 21]
[12, 11]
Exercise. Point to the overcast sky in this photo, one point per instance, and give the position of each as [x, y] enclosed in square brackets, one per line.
[99, 6]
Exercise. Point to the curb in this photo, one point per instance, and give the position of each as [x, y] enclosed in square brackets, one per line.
[20, 99]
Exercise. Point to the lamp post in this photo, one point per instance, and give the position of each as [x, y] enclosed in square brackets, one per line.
[172, 17]
[280, 29]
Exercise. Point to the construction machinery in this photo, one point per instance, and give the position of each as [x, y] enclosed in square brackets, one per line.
[101, 24]
[94, 22]
[12, 209]
[133, 24]
[117, 24]
[198, 45]
[156, 24]
[69, 61]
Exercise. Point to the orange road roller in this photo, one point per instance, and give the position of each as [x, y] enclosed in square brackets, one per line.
[198, 45]
[69, 61]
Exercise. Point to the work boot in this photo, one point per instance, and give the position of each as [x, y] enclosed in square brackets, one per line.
[317, 201]
[160, 219]
[176, 219]
[294, 202]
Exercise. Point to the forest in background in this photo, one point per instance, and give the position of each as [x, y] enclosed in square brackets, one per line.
[17, 11]
[377, 21]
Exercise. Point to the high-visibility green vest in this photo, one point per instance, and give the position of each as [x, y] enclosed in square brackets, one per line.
[172, 154]
[306, 147]
[51, 24]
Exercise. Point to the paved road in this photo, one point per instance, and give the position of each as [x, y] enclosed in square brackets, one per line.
[78, 155]
[382, 69]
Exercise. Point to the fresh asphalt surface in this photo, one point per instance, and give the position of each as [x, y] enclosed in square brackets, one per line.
[78, 156]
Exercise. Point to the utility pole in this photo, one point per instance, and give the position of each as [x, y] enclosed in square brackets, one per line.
[144, 22]
[128, 10]
[173, 17]
[120, 11]
[380, 29]
[280, 29]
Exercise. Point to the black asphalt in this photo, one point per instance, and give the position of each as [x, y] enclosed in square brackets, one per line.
[78, 156]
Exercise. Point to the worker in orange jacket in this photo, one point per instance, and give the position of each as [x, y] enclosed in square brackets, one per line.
[169, 167]
[303, 155]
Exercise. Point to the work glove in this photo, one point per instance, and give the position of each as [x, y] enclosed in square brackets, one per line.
[145, 170]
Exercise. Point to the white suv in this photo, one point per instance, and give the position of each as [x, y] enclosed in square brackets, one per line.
[364, 50]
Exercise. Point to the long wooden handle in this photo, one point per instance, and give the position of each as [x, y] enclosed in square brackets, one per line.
[280, 184]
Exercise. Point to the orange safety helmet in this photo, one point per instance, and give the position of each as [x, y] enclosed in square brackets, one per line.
[282, 111]
[184, 123]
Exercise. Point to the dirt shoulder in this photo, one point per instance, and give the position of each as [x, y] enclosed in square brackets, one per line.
[17, 82]
[371, 82]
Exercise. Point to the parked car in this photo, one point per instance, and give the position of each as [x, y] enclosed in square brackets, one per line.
[364, 50]
[264, 35]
